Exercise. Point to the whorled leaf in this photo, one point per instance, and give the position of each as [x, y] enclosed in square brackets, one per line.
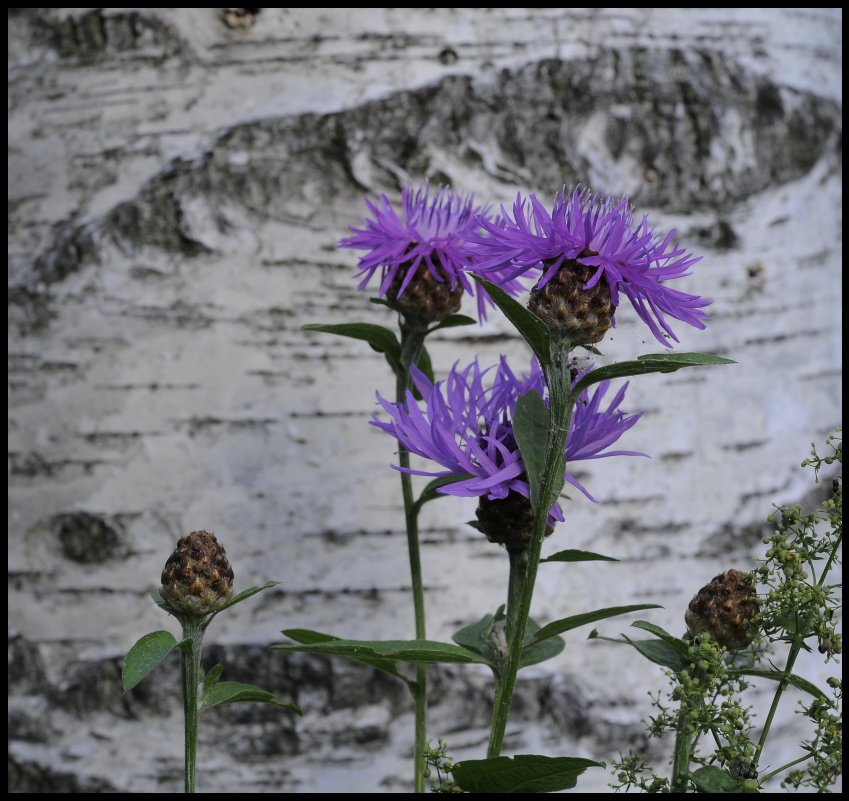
[658, 651]
[776, 675]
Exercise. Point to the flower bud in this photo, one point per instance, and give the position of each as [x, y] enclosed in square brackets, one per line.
[724, 609]
[425, 298]
[582, 316]
[197, 579]
[508, 521]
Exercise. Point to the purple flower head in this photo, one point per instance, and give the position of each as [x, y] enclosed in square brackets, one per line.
[466, 426]
[597, 232]
[432, 231]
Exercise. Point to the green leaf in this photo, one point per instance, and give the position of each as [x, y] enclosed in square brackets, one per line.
[676, 642]
[475, 636]
[379, 338]
[659, 652]
[569, 623]
[145, 655]
[245, 594]
[234, 692]
[534, 330]
[426, 366]
[531, 423]
[650, 363]
[777, 675]
[429, 493]
[419, 651]
[307, 637]
[214, 674]
[453, 321]
[573, 555]
[527, 773]
[535, 652]
[711, 779]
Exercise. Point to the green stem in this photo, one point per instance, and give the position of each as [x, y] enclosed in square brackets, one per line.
[518, 569]
[412, 341]
[775, 772]
[682, 753]
[551, 483]
[795, 649]
[190, 669]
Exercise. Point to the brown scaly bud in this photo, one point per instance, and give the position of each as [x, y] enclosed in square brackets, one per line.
[197, 578]
[508, 521]
[425, 298]
[724, 609]
[582, 316]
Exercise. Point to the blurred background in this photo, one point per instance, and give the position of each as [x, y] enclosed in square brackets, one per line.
[178, 180]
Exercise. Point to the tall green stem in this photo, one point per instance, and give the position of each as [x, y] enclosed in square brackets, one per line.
[795, 649]
[190, 669]
[412, 340]
[684, 741]
[551, 483]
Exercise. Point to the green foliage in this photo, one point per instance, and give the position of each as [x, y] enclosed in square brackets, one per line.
[379, 338]
[218, 693]
[649, 363]
[145, 655]
[573, 622]
[712, 725]
[521, 774]
[531, 424]
[534, 331]
[573, 555]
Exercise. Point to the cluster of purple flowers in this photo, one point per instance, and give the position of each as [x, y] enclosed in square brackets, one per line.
[465, 423]
[466, 427]
[453, 238]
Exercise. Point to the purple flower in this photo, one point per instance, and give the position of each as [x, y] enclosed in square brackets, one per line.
[597, 232]
[431, 231]
[466, 427]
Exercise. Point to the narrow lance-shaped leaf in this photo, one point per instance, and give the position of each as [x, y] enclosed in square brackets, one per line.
[776, 675]
[453, 321]
[573, 555]
[145, 655]
[419, 651]
[248, 593]
[650, 363]
[426, 366]
[306, 637]
[525, 773]
[573, 622]
[234, 692]
[534, 330]
[676, 642]
[531, 423]
[379, 338]
[429, 493]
